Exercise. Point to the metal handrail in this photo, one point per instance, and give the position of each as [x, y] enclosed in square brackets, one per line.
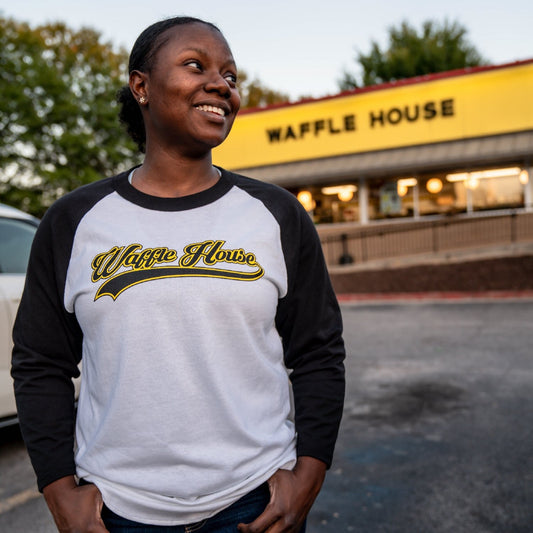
[346, 245]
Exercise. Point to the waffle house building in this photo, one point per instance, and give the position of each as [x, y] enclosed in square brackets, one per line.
[442, 144]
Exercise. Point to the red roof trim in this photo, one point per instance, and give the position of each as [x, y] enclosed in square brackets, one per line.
[389, 85]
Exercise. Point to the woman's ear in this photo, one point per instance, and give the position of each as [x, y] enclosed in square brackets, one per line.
[138, 86]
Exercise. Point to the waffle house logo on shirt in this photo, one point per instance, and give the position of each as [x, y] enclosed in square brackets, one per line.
[122, 267]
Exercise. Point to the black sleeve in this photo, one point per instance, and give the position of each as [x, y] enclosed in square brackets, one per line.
[47, 349]
[309, 322]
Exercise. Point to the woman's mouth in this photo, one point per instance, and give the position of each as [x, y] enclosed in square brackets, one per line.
[211, 109]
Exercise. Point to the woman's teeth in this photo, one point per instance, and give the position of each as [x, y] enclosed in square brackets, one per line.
[211, 109]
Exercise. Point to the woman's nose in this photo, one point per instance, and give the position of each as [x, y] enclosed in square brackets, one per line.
[218, 83]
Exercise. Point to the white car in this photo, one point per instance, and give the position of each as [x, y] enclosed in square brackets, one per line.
[16, 235]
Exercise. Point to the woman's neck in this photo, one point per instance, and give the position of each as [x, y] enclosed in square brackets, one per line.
[171, 177]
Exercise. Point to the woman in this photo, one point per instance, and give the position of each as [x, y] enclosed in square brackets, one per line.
[190, 294]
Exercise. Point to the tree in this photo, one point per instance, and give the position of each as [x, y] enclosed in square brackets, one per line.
[436, 48]
[255, 94]
[58, 115]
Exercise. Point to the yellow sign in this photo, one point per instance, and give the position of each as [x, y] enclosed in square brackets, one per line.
[488, 102]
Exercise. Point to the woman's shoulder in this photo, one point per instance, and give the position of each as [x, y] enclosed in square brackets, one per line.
[272, 195]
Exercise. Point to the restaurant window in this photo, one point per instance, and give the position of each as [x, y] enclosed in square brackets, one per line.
[331, 204]
[493, 188]
[437, 196]
[438, 193]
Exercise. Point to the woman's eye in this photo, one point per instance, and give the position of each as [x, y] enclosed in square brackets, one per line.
[195, 64]
[232, 78]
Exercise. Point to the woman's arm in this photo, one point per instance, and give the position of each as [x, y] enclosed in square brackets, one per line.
[47, 349]
[310, 324]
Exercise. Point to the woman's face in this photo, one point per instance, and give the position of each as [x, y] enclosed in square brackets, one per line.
[191, 93]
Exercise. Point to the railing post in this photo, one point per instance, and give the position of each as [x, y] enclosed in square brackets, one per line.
[513, 227]
[364, 253]
[435, 235]
[345, 258]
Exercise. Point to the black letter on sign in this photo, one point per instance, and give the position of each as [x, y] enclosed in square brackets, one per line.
[447, 108]
[274, 135]
[290, 133]
[394, 115]
[349, 122]
[415, 116]
[304, 128]
[319, 125]
[332, 129]
[429, 110]
[376, 118]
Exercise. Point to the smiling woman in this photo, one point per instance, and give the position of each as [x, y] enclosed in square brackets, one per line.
[186, 89]
[198, 301]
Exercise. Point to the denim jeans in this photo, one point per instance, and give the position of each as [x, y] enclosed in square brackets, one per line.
[245, 510]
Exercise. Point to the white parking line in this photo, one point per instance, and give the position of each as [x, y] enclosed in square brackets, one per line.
[18, 499]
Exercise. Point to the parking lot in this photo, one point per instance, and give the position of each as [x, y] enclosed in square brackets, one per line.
[437, 432]
[438, 425]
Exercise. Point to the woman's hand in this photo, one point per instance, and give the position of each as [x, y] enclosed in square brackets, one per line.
[76, 509]
[292, 494]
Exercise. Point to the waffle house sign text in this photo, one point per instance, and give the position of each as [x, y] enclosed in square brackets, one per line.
[490, 102]
[377, 118]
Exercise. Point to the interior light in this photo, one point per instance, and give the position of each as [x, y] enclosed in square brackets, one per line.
[460, 176]
[338, 189]
[407, 182]
[306, 199]
[497, 173]
[402, 189]
[524, 177]
[403, 184]
[509, 172]
[345, 196]
[434, 185]
[472, 182]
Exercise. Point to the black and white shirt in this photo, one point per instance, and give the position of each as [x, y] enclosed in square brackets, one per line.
[191, 317]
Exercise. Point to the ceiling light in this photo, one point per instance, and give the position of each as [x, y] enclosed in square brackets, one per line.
[461, 176]
[338, 189]
[402, 189]
[472, 182]
[497, 173]
[407, 182]
[509, 172]
[434, 185]
[345, 196]
[306, 199]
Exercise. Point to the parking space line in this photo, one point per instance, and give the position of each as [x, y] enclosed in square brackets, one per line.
[18, 499]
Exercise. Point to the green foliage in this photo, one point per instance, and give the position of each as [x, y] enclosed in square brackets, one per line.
[436, 48]
[58, 115]
[255, 94]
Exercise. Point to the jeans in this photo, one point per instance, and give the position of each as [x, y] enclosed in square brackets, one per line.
[245, 510]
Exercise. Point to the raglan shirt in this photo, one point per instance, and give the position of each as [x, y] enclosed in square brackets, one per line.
[193, 319]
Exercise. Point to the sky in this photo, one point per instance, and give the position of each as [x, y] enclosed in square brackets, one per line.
[300, 48]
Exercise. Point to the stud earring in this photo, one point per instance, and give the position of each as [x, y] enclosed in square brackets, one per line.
[142, 100]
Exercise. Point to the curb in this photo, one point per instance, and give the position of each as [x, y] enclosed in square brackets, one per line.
[434, 296]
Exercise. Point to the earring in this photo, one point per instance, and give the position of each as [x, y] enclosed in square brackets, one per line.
[142, 100]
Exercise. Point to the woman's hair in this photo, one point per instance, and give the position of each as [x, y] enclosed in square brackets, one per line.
[142, 58]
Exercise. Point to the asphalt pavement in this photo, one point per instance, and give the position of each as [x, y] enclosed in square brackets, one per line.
[437, 433]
